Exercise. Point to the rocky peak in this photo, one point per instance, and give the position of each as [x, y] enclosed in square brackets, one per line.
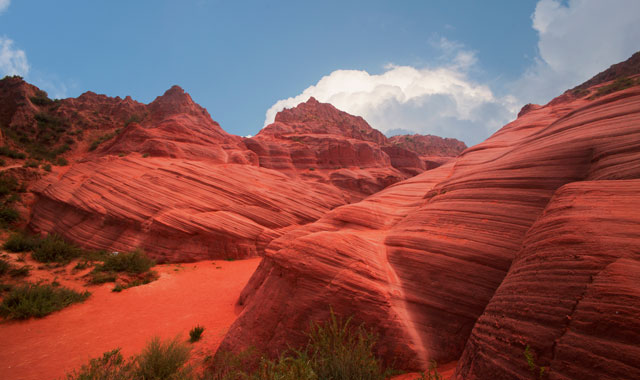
[429, 145]
[175, 101]
[314, 117]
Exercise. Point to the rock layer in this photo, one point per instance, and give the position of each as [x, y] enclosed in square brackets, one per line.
[170, 180]
[424, 274]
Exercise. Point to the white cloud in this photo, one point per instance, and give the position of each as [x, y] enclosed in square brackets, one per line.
[440, 100]
[577, 41]
[4, 4]
[12, 61]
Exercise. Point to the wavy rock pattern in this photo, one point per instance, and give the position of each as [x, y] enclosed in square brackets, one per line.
[424, 276]
[572, 292]
[177, 210]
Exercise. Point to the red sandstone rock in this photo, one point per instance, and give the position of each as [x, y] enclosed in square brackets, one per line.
[421, 260]
[176, 184]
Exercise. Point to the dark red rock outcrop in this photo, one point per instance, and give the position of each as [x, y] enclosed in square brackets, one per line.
[423, 275]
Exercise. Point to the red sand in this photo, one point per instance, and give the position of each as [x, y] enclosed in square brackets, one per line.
[184, 296]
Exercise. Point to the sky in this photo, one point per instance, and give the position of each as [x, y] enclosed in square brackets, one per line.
[458, 69]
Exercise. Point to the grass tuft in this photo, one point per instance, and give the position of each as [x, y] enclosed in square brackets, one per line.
[135, 262]
[21, 242]
[53, 248]
[163, 360]
[196, 333]
[36, 300]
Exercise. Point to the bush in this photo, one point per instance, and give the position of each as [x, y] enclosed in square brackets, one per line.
[8, 152]
[5, 267]
[96, 143]
[339, 351]
[31, 164]
[47, 167]
[135, 262]
[61, 161]
[159, 360]
[298, 367]
[163, 360]
[8, 185]
[196, 333]
[8, 215]
[101, 277]
[432, 373]
[20, 242]
[54, 249]
[335, 350]
[35, 300]
[41, 99]
[111, 366]
[23, 271]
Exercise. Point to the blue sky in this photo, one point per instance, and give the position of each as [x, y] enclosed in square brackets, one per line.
[458, 69]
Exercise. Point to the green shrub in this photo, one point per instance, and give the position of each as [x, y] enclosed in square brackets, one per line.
[111, 366]
[8, 185]
[54, 249]
[96, 143]
[432, 373]
[61, 161]
[340, 352]
[163, 360]
[5, 267]
[36, 300]
[47, 167]
[23, 271]
[159, 360]
[21, 242]
[145, 155]
[41, 99]
[8, 152]
[8, 215]
[196, 333]
[135, 262]
[5, 287]
[31, 164]
[297, 367]
[98, 277]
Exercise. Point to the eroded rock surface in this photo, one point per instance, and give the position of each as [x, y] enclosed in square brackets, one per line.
[421, 261]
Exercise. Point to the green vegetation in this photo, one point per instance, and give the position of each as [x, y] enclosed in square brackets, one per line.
[338, 351]
[5, 267]
[36, 300]
[133, 119]
[47, 167]
[617, 85]
[8, 152]
[30, 164]
[41, 99]
[22, 271]
[196, 333]
[160, 360]
[432, 373]
[9, 188]
[96, 143]
[533, 367]
[135, 262]
[335, 350]
[54, 248]
[21, 242]
[61, 161]
[111, 366]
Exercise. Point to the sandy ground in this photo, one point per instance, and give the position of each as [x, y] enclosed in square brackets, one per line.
[184, 296]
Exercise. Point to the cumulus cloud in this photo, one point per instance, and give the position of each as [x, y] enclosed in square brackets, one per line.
[439, 100]
[12, 61]
[578, 39]
[4, 4]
